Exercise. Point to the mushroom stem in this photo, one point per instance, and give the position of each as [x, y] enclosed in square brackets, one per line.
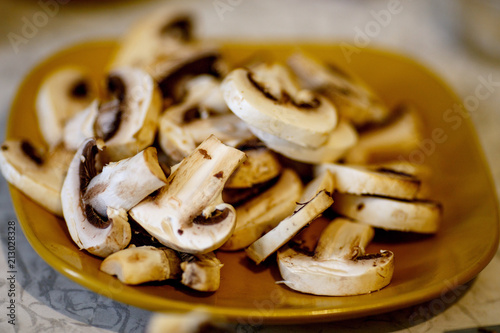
[201, 272]
[125, 183]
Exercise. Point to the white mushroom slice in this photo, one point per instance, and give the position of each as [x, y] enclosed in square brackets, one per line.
[362, 180]
[400, 137]
[187, 214]
[390, 214]
[125, 183]
[260, 166]
[268, 98]
[340, 266]
[136, 265]
[201, 272]
[343, 137]
[39, 177]
[128, 121]
[99, 235]
[62, 94]
[263, 212]
[153, 36]
[289, 227]
[354, 100]
[175, 142]
[80, 127]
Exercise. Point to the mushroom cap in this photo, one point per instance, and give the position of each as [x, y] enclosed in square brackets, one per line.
[38, 177]
[98, 235]
[267, 98]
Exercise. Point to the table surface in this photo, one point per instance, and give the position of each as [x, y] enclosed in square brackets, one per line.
[424, 30]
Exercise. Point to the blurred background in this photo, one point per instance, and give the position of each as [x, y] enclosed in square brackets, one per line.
[458, 40]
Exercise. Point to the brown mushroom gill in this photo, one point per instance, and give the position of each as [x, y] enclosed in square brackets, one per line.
[80, 89]
[111, 112]
[87, 171]
[216, 217]
[31, 152]
[285, 97]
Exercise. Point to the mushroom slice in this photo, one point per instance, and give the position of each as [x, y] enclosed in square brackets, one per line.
[260, 214]
[268, 98]
[188, 214]
[356, 179]
[391, 214]
[136, 265]
[260, 166]
[263, 247]
[99, 235]
[125, 183]
[39, 176]
[192, 322]
[343, 137]
[127, 121]
[354, 100]
[399, 137]
[339, 266]
[153, 36]
[62, 94]
[201, 272]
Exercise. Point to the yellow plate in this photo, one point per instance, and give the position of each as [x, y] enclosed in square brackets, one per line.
[425, 266]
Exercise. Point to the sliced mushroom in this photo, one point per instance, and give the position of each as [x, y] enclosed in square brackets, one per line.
[399, 137]
[188, 214]
[257, 216]
[362, 180]
[354, 100]
[201, 272]
[391, 214]
[99, 235]
[62, 94]
[263, 247]
[39, 176]
[343, 137]
[268, 98]
[136, 265]
[339, 266]
[125, 183]
[126, 119]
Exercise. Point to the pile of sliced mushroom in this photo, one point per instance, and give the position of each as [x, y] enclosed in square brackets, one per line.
[202, 158]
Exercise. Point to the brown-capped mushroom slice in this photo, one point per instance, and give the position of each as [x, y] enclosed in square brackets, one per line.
[398, 138]
[340, 140]
[339, 266]
[188, 214]
[260, 214]
[38, 175]
[201, 272]
[388, 213]
[356, 179]
[354, 100]
[125, 183]
[268, 98]
[315, 200]
[63, 93]
[136, 265]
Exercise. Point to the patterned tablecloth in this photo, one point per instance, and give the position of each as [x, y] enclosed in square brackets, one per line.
[425, 30]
